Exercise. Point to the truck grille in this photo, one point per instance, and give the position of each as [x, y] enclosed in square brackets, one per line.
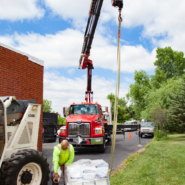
[82, 129]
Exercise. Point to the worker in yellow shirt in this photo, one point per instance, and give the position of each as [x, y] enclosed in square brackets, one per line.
[62, 154]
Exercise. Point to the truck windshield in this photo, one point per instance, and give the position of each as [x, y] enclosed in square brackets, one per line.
[146, 124]
[84, 110]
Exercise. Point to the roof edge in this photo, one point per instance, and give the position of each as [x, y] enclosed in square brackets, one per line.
[30, 57]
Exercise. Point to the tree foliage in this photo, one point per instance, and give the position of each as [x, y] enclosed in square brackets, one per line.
[177, 110]
[159, 117]
[123, 114]
[131, 112]
[160, 97]
[47, 105]
[169, 64]
[61, 120]
[172, 63]
[138, 90]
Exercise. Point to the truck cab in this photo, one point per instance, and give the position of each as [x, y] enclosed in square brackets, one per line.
[84, 126]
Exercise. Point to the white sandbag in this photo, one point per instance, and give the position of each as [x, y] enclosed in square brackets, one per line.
[102, 173]
[74, 183]
[73, 172]
[99, 163]
[102, 182]
[89, 183]
[87, 172]
[84, 162]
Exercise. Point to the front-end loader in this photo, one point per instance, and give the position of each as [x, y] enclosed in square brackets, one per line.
[20, 162]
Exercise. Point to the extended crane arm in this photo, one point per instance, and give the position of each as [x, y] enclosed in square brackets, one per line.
[85, 62]
[94, 14]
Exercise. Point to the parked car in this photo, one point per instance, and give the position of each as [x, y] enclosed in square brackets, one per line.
[130, 123]
[147, 129]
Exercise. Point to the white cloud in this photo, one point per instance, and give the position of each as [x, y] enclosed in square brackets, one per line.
[158, 18]
[74, 10]
[176, 42]
[64, 48]
[60, 50]
[64, 91]
[78, 11]
[71, 71]
[127, 79]
[20, 9]
[162, 21]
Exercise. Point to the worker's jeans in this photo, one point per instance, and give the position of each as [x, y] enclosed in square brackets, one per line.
[53, 176]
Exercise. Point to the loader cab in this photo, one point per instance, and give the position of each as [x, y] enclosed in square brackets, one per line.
[2, 128]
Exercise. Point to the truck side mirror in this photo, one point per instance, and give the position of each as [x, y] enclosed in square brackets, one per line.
[106, 109]
[64, 111]
[103, 118]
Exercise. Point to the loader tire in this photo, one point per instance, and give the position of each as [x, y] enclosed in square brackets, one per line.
[25, 167]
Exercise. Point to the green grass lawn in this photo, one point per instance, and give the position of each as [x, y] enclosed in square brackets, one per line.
[162, 163]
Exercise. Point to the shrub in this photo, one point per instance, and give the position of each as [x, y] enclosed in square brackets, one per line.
[159, 135]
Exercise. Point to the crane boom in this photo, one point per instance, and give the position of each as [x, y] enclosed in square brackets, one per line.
[85, 62]
[94, 14]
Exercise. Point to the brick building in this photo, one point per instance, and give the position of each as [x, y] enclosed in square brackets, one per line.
[21, 75]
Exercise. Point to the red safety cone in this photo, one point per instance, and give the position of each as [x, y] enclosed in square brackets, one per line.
[129, 136]
[88, 142]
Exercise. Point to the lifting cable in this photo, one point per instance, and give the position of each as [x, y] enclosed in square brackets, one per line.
[116, 95]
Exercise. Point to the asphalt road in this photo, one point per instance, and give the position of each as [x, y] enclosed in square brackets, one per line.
[123, 148]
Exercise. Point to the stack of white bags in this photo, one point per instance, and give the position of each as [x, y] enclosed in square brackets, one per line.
[87, 172]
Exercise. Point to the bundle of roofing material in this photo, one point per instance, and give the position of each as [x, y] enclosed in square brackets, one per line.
[87, 172]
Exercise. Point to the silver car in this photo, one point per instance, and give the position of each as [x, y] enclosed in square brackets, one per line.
[130, 123]
[147, 129]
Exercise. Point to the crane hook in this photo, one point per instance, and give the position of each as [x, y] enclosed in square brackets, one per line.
[119, 17]
[120, 20]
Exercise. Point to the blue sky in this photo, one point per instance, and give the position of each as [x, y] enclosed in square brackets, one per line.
[52, 30]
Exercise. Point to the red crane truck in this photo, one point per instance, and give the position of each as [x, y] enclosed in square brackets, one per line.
[85, 122]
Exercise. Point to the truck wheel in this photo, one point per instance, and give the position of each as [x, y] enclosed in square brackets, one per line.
[109, 140]
[101, 148]
[43, 138]
[25, 167]
[46, 140]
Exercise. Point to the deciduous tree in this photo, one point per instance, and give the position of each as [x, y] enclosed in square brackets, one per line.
[159, 117]
[138, 90]
[169, 63]
[177, 110]
[123, 114]
[47, 105]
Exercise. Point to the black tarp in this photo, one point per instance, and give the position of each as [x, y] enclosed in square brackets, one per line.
[51, 116]
[50, 127]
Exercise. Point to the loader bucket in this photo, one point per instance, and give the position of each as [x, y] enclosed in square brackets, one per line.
[2, 128]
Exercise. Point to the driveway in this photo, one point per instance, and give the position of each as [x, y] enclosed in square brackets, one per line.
[124, 147]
